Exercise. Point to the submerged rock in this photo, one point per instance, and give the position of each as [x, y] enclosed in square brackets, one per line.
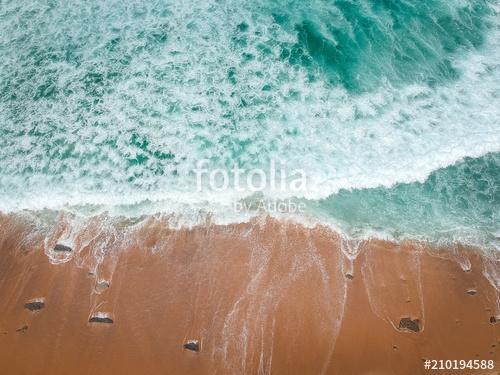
[471, 291]
[101, 318]
[193, 345]
[35, 304]
[409, 324]
[22, 329]
[349, 276]
[101, 286]
[62, 248]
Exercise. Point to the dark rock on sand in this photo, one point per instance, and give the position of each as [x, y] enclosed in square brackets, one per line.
[62, 248]
[493, 320]
[409, 324]
[349, 276]
[193, 345]
[34, 305]
[100, 319]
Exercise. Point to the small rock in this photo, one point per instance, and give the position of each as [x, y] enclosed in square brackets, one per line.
[62, 248]
[349, 276]
[101, 318]
[493, 320]
[409, 324]
[35, 304]
[471, 291]
[193, 345]
[101, 286]
[22, 329]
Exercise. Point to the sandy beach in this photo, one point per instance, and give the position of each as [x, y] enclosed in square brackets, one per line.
[266, 297]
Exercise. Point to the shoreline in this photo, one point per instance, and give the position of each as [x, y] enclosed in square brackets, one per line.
[259, 297]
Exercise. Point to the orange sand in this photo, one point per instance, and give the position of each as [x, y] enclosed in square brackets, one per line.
[261, 298]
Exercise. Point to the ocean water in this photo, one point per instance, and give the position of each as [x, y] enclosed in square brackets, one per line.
[392, 108]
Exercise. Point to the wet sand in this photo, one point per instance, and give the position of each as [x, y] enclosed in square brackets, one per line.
[265, 297]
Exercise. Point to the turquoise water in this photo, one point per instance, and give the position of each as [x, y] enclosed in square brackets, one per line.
[461, 201]
[391, 107]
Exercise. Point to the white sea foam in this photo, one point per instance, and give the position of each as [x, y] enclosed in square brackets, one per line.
[176, 96]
